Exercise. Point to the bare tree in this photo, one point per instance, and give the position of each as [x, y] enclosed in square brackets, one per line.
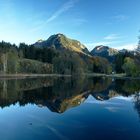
[4, 59]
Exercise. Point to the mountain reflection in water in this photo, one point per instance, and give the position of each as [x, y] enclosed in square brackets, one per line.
[61, 94]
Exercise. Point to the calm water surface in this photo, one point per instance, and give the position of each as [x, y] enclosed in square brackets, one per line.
[70, 109]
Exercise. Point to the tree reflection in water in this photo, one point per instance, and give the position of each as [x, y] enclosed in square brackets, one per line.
[60, 94]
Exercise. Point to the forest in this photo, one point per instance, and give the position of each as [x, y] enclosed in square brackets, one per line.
[31, 59]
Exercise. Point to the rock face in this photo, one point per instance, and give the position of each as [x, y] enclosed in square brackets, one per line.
[61, 42]
[105, 51]
[123, 51]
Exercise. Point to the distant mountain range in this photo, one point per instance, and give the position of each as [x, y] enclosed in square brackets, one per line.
[61, 42]
[110, 53]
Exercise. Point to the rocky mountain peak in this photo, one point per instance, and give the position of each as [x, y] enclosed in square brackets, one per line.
[60, 42]
[104, 51]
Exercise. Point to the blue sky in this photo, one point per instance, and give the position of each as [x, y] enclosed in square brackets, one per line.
[93, 22]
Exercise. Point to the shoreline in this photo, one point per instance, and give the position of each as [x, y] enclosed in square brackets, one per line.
[23, 76]
[117, 76]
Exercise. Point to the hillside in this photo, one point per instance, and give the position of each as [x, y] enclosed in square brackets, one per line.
[33, 66]
[61, 42]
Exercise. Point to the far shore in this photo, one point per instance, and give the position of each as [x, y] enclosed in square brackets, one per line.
[118, 76]
[22, 76]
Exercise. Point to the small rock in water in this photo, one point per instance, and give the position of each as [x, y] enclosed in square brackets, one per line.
[30, 123]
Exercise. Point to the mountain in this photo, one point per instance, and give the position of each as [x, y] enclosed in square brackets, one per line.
[123, 51]
[61, 105]
[105, 51]
[61, 42]
[135, 52]
[105, 95]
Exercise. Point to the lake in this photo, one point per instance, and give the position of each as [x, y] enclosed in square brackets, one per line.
[70, 109]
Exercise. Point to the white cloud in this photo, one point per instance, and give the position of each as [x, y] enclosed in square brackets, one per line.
[120, 17]
[79, 21]
[113, 108]
[114, 41]
[130, 46]
[124, 98]
[65, 7]
[111, 37]
[99, 43]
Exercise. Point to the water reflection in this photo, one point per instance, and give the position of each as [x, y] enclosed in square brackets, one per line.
[60, 94]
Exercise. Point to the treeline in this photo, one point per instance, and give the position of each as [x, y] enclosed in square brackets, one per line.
[128, 63]
[30, 59]
[12, 61]
[45, 60]
[65, 61]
